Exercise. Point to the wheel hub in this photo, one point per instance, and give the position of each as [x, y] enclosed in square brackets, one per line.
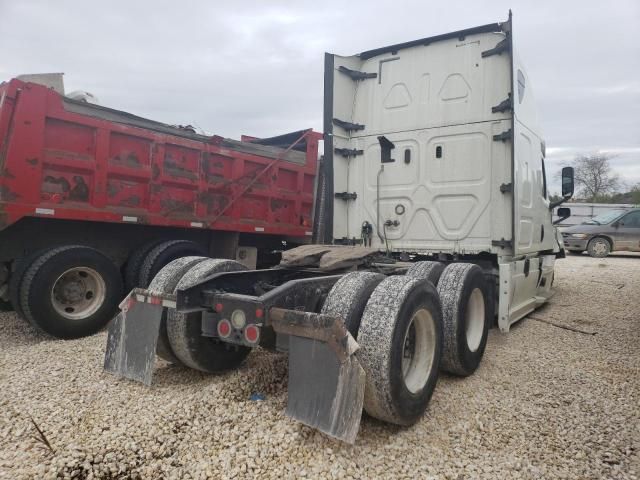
[78, 293]
[418, 351]
[475, 320]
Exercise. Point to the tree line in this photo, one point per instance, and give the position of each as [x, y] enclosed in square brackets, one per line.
[596, 182]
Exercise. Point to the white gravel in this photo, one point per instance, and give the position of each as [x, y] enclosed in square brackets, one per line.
[545, 403]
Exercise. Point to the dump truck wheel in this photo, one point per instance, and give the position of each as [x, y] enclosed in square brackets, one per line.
[70, 291]
[349, 296]
[165, 282]
[400, 342]
[15, 281]
[134, 264]
[599, 247]
[163, 254]
[466, 313]
[428, 270]
[5, 306]
[184, 330]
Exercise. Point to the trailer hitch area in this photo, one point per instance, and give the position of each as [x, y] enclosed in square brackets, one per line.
[326, 380]
[133, 335]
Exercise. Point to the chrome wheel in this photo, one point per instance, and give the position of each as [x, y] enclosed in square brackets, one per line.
[78, 293]
[474, 319]
[419, 349]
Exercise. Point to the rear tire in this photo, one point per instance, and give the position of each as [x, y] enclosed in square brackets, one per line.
[428, 270]
[599, 247]
[163, 254]
[400, 342]
[134, 264]
[70, 292]
[5, 306]
[466, 314]
[349, 297]
[165, 282]
[184, 330]
[15, 281]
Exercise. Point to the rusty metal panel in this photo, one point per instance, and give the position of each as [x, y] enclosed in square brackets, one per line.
[69, 160]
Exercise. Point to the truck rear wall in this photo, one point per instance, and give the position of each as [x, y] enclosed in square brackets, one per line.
[451, 186]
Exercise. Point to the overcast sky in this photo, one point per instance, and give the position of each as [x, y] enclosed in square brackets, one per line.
[234, 67]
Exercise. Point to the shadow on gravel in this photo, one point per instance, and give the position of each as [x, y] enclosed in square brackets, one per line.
[15, 331]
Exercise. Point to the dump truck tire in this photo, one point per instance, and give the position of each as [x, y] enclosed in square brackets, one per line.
[71, 291]
[165, 281]
[15, 281]
[467, 313]
[400, 342]
[134, 263]
[184, 330]
[349, 297]
[428, 270]
[163, 254]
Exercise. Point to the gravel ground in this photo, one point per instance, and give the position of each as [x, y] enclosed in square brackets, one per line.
[545, 403]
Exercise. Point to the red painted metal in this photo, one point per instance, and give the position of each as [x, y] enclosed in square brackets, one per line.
[63, 164]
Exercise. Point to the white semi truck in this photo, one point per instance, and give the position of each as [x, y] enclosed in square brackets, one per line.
[433, 224]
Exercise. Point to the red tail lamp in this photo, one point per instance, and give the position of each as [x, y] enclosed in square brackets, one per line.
[224, 328]
[252, 334]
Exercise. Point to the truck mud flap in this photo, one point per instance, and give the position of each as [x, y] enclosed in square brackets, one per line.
[133, 335]
[326, 380]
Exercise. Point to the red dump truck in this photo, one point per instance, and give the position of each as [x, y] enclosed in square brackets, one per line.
[95, 201]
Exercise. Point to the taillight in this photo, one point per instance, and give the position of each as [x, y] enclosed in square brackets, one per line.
[252, 334]
[224, 328]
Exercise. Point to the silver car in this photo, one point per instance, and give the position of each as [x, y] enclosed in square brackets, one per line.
[615, 230]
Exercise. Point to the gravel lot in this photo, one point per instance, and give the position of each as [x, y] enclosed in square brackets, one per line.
[546, 403]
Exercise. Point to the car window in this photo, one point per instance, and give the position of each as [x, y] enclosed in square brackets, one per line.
[606, 217]
[631, 220]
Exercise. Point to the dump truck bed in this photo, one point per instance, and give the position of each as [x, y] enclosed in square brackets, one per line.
[61, 158]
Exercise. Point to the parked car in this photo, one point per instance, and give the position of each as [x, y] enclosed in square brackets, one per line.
[615, 230]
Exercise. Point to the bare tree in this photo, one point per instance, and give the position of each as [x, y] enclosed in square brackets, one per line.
[593, 175]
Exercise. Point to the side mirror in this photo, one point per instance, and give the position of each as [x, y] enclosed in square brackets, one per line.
[616, 224]
[567, 182]
[563, 213]
[567, 187]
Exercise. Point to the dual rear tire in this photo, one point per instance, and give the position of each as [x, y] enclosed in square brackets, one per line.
[73, 291]
[67, 292]
[408, 330]
[180, 340]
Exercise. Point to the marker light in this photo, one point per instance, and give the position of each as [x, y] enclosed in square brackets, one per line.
[238, 319]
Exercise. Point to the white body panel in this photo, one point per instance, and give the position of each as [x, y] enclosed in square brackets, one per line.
[466, 178]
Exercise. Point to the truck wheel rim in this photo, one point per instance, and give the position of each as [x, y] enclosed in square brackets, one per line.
[78, 293]
[474, 319]
[418, 350]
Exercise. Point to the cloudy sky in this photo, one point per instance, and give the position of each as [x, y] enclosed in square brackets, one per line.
[233, 67]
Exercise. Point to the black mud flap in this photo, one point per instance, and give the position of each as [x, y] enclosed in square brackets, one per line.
[326, 380]
[133, 335]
